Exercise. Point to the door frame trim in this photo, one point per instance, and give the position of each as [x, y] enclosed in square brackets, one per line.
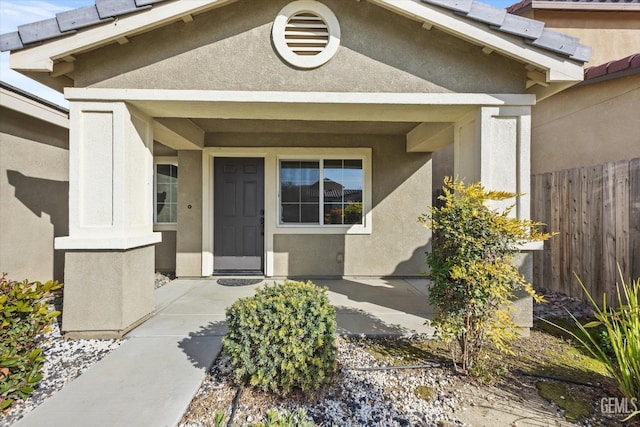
[263, 208]
[208, 177]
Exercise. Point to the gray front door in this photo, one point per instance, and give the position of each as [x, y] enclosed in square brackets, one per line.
[238, 215]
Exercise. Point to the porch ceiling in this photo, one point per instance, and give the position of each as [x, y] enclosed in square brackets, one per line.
[303, 126]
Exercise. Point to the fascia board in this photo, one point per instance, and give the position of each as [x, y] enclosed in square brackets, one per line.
[108, 94]
[41, 58]
[477, 33]
[33, 108]
[395, 107]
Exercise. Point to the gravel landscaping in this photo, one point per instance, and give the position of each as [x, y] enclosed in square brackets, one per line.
[355, 397]
[393, 397]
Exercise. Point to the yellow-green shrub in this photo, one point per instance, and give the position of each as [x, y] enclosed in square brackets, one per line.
[282, 338]
[473, 275]
[24, 315]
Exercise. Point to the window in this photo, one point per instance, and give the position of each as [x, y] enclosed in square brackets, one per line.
[321, 192]
[166, 193]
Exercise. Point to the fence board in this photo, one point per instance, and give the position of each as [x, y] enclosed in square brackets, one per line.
[621, 189]
[634, 218]
[594, 220]
[596, 211]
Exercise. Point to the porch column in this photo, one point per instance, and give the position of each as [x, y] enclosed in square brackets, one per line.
[109, 253]
[492, 145]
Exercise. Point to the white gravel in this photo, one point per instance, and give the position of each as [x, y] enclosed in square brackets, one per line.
[65, 361]
[353, 398]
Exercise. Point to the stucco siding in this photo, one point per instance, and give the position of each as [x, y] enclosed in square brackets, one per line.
[34, 186]
[587, 125]
[401, 191]
[230, 49]
[611, 35]
[166, 252]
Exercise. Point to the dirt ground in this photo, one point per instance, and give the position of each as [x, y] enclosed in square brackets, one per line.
[548, 381]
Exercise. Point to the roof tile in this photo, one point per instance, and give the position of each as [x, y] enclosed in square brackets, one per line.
[582, 53]
[38, 31]
[457, 5]
[557, 42]
[79, 18]
[487, 14]
[141, 3]
[10, 41]
[619, 68]
[524, 27]
[111, 8]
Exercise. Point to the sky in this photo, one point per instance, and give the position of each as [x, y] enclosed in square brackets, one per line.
[19, 12]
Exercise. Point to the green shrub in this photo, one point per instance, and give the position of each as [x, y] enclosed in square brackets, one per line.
[282, 338]
[622, 329]
[286, 419]
[473, 276]
[24, 315]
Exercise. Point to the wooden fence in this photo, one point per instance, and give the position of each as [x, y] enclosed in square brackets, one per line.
[596, 212]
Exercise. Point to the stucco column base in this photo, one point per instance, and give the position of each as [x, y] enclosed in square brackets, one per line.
[522, 302]
[107, 292]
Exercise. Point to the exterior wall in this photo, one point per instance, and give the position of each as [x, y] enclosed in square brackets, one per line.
[587, 125]
[401, 191]
[229, 49]
[34, 184]
[166, 252]
[189, 235]
[611, 35]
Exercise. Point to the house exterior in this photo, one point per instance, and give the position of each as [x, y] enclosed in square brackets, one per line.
[34, 184]
[281, 138]
[569, 130]
[585, 151]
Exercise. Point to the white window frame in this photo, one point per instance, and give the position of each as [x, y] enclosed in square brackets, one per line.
[321, 228]
[163, 226]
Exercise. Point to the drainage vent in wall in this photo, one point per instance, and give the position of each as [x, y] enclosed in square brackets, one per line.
[306, 34]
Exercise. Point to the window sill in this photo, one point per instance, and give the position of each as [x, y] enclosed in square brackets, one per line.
[322, 229]
[165, 227]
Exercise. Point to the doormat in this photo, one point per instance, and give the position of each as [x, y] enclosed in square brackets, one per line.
[238, 282]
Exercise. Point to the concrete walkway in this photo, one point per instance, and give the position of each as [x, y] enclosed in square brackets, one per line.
[151, 378]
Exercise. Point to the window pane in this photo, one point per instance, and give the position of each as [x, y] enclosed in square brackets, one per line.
[309, 214]
[299, 186]
[166, 193]
[333, 213]
[290, 213]
[290, 181]
[163, 173]
[353, 213]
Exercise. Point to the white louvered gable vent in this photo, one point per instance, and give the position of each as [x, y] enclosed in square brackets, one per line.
[306, 34]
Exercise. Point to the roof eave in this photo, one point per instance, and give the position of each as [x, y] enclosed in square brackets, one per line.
[555, 68]
[41, 58]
